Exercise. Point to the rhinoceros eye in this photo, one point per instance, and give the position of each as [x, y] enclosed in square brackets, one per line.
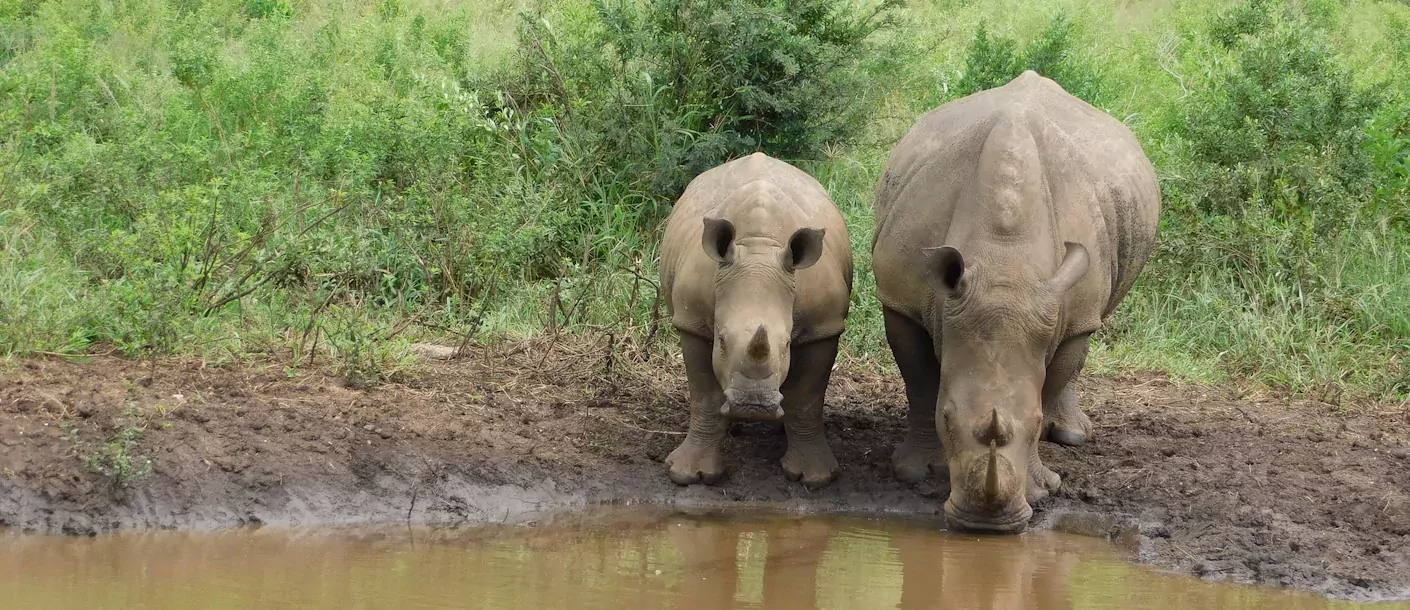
[945, 411]
[720, 341]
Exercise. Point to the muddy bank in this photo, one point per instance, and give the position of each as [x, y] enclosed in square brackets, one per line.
[1252, 489]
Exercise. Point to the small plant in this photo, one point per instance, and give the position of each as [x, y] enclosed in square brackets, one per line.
[164, 410]
[118, 458]
[261, 9]
[365, 355]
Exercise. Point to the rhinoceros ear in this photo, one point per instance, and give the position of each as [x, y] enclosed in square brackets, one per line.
[1073, 267]
[945, 269]
[718, 239]
[804, 249]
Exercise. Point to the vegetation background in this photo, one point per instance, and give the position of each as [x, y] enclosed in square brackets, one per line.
[325, 181]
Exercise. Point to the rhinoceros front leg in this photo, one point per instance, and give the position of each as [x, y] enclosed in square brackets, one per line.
[1063, 422]
[809, 458]
[700, 458]
[919, 453]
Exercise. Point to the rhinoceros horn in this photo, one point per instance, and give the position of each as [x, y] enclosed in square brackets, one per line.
[997, 433]
[991, 478]
[999, 430]
[759, 345]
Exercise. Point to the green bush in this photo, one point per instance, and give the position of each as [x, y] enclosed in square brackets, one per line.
[1272, 155]
[1282, 128]
[993, 59]
[42, 304]
[196, 189]
[118, 457]
[1282, 236]
[671, 88]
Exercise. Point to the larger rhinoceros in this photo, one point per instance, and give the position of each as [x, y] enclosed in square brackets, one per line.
[756, 271]
[1009, 225]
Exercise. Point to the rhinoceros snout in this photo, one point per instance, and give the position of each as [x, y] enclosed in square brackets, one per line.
[963, 520]
[990, 497]
[755, 404]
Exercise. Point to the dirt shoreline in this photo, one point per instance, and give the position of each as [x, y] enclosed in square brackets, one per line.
[1251, 489]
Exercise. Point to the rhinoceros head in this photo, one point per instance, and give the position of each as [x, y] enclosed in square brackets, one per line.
[754, 297]
[998, 317]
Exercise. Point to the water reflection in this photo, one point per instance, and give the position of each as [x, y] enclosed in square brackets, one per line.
[878, 565]
[623, 560]
[1029, 572]
[711, 561]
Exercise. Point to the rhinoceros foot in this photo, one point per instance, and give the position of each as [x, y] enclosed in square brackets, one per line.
[812, 464]
[913, 460]
[693, 462]
[1066, 437]
[1065, 424]
[1041, 480]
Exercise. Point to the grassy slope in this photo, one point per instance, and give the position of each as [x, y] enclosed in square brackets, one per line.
[89, 91]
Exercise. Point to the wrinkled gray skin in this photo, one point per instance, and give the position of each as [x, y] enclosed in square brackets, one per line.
[756, 272]
[1009, 224]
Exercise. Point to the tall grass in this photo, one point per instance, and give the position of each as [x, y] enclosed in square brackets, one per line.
[327, 180]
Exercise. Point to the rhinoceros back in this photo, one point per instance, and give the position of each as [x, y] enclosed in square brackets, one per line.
[1096, 187]
[688, 274]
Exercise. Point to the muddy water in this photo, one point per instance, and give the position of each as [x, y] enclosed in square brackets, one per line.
[614, 560]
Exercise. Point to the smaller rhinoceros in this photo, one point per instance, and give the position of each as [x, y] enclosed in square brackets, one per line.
[756, 272]
[1009, 224]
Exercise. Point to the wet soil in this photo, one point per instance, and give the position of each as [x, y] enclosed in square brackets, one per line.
[1217, 482]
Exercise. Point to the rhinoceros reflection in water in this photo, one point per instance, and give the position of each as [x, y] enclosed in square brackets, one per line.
[814, 564]
[710, 562]
[1029, 573]
[647, 560]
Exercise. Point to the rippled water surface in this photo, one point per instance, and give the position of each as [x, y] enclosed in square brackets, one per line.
[616, 560]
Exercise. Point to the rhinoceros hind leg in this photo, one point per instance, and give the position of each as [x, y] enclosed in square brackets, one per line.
[809, 458]
[1063, 422]
[700, 459]
[919, 454]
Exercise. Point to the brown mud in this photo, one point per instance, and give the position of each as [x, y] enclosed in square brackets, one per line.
[1249, 488]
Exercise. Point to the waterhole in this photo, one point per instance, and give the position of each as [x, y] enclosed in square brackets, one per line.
[613, 559]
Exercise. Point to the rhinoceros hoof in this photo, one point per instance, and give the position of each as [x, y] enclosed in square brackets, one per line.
[1065, 436]
[691, 463]
[1041, 481]
[1068, 425]
[815, 469]
[914, 462]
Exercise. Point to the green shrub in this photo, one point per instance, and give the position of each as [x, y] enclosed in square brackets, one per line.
[1387, 143]
[118, 457]
[1272, 159]
[262, 9]
[674, 87]
[187, 172]
[1282, 128]
[42, 305]
[993, 59]
[1284, 205]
